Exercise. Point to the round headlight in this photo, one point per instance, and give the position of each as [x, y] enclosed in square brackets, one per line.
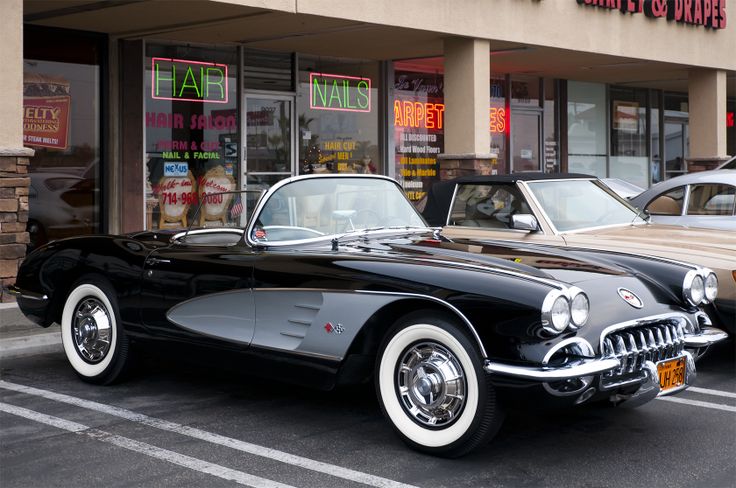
[579, 309]
[555, 312]
[711, 287]
[697, 290]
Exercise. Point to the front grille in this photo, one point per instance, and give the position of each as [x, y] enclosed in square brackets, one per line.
[635, 345]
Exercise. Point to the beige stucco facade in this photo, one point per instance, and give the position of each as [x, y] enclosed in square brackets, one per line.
[549, 39]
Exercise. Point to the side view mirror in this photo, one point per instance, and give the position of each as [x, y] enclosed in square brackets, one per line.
[524, 222]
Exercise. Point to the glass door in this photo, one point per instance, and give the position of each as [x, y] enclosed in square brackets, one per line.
[269, 146]
[525, 141]
[676, 147]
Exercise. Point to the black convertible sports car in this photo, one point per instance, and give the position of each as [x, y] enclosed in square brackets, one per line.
[337, 279]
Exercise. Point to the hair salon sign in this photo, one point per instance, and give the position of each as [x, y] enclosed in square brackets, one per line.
[708, 13]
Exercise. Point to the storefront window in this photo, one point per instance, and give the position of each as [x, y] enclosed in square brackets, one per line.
[551, 152]
[587, 128]
[499, 123]
[629, 159]
[192, 131]
[338, 121]
[61, 122]
[418, 122]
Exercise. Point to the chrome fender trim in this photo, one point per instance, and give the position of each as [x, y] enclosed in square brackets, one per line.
[576, 369]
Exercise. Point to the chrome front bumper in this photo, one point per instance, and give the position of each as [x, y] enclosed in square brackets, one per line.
[594, 366]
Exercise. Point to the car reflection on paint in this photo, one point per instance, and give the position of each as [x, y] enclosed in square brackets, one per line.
[578, 211]
[336, 279]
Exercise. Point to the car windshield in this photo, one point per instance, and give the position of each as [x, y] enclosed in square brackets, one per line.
[318, 207]
[581, 204]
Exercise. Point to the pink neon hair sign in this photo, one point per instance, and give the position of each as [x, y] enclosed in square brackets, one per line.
[188, 81]
[339, 92]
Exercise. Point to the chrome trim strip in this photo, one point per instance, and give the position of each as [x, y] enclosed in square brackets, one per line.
[401, 294]
[584, 367]
[490, 269]
[452, 204]
[234, 230]
[17, 292]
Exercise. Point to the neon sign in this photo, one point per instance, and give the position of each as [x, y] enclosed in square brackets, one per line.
[431, 116]
[339, 92]
[419, 114]
[188, 81]
[729, 119]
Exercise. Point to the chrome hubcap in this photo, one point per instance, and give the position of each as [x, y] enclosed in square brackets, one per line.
[431, 384]
[92, 330]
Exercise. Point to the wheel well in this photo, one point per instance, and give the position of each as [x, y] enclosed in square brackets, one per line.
[366, 343]
[62, 289]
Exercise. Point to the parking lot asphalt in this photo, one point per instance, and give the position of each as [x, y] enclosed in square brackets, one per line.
[176, 423]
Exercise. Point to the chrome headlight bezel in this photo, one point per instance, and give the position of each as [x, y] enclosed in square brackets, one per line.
[555, 300]
[693, 288]
[579, 296]
[711, 290]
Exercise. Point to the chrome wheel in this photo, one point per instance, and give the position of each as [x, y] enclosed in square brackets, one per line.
[92, 330]
[431, 384]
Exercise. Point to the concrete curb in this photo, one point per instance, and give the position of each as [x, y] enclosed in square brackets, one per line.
[19, 337]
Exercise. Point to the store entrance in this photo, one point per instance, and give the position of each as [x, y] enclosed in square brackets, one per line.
[676, 147]
[269, 146]
[525, 141]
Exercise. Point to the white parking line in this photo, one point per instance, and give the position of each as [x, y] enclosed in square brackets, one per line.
[143, 448]
[698, 403]
[284, 457]
[707, 391]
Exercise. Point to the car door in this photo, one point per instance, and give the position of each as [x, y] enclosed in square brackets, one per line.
[199, 289]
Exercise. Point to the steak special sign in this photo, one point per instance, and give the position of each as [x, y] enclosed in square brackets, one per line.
[708, 13]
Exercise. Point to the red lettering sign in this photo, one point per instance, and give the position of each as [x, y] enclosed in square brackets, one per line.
[729, 119]
[708, 13]
[46, 121]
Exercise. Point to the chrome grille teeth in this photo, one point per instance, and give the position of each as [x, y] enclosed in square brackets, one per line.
[633, 351]
[655, 342]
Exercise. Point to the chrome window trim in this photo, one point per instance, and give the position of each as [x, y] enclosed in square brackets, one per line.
[452, 203]
[555, 230]
[287, 181]
[234, 230]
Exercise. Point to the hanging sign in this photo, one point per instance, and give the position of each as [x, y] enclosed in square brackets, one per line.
[339, 92]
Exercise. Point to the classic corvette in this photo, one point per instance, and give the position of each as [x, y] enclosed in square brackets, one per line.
[579, 211]
[336, 279]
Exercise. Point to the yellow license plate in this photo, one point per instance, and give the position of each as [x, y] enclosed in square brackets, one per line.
[671, 373]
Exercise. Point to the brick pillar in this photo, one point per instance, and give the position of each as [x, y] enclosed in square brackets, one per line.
[14, 185]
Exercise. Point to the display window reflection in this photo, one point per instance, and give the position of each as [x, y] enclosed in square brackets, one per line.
[61, 123]
[192, 131]
[337, 123]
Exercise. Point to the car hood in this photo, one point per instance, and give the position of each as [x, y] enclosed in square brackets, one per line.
[674, 242]
[549, 263]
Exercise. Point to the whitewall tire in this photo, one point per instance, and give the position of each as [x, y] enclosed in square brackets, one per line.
[93, 339]
[432, 388]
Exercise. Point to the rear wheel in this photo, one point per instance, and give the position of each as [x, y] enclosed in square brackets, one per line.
[432, 387]
[91, 331]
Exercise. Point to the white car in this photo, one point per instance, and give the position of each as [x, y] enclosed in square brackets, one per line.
[703, 199]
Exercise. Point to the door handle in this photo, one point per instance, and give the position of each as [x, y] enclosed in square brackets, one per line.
[154, 261]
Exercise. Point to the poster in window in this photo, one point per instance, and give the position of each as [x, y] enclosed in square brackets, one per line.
[626, 116]
[46, 104]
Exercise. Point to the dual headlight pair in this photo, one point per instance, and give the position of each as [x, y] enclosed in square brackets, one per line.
[700, 287]
[562, 309]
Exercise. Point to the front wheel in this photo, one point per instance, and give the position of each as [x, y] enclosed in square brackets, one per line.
[432, 387]
[91, 332]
